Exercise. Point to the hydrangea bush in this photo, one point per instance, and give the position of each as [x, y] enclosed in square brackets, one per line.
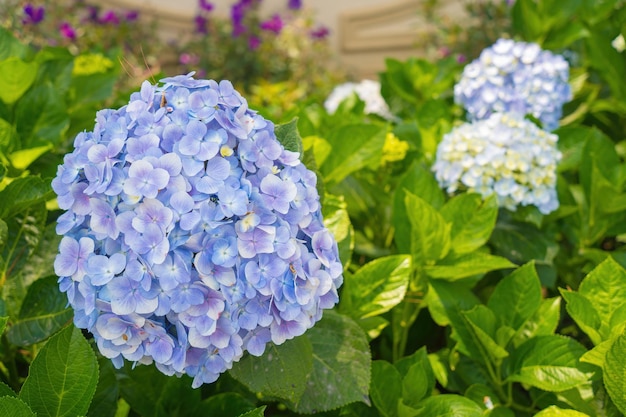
[191, 235]
[504, 155]
[515, 77]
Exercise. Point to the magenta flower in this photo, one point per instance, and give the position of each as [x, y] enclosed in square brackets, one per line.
[131, 15]
[273, 24]
[67, 31]
[205, 5]
[253, 43]
[110, 17]
[32, 14]
[294, 4]
[320, 33]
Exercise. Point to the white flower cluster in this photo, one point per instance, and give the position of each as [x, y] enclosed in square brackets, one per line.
[504, 154]
[515, 77]
[368, 91]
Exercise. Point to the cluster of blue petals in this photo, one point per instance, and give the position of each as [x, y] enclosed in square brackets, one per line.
[190, 234]
[515, 77]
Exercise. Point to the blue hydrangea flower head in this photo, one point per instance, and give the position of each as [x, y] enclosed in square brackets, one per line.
[516, 77]
[191, 235]
[503, 154]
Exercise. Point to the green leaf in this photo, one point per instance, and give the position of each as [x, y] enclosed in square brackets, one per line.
[3, 323]
[516, 297]
[10, 46]
[554, 411]
[257, 412]
[353, 147]
[473, 220]
[385, 388]
[46, 125]
[482, 326]
[543, 322]
[280, 372]
[8, 138]
[448, 405]
[341, 365]
[337, 220]
[16, 76]
[44, 311]
[527, 20]
[605, 288]
[597, 355]
[104, 402]
[227, 404]
[430, 233]
[453, 268]
[376, 287]
[287, 134]
[14, 407]
[419, 380]
[550, 363]
[22, 193]
[63, 377]
[584, 314]
[422, 182]
[614, 372]
[6, 390]
[22, 159]
[445, 298]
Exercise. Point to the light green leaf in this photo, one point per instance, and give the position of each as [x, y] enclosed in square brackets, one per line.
[614, 372]
[430, 233]
[337, 220]
[543, 322]
[554, 411]
[385, 388]
[319, 146]
[449, 405]
[482, 329]
[516, 297]
[473, 220]
[444, 298]
[584, 314]
[8, 138]
[287, 134]
[550, 363]
[597, 355]
[353, 147]
[14, 407]
[63, 377]
[376, 287]
[419, 380]
[257, 412]
[22, 158]
[341, 365]
[453, 268]
[44, 311]
[16, 76]
[3, 323]
[280, 372]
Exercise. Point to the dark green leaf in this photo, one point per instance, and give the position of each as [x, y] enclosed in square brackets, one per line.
[23, 193]
[14, 407]
[257, 412]
[104, 403]
[419, 380]
[614, 372]
[287, 134]
[6, 390]
[516, 297]
[44, 311]
[448, 298]
[341, 365]
[16, 76]
[449, 405]
[46, 125]
[280, 372]
[63, 377]
[227, 404]
[386, 388]
[473, 220]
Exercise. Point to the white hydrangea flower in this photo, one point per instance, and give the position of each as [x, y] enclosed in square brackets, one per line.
[367, 90]
[503, 154]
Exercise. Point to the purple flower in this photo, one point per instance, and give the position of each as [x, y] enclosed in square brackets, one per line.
[67, 31]
[32, 14]
[131, 15]
[294, 4]
[110, 17]
[205, 5]
[273, 24]
[201, 24]
[320, 33]
[254, 42]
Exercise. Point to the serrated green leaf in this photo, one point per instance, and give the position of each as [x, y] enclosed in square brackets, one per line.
[8, 139]
[385, 388]
[584, 314]
[16, 76]
[430, 233]
[22, 193]
[6, 390]
[420, 181]
[257, 412]
[63, 377]
[287, 134]
[516, 297]
[448, 405]
[472, 219]
[522, 242]
[280, 372]
[341, 365]
[554, 411]
[14, 407]
[44, 311]
[605, 288]
[376, 287]
[543, 322]
[453, 268]
[597, 355]
[550, 363]
[614, 372]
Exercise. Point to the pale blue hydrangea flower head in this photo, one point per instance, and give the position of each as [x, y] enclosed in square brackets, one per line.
[515, 77]
[191, 235]
[503, 154]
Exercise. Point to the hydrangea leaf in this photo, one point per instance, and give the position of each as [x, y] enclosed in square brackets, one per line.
[43, 312]
[8, 136]
[280, 372]
[554, 411]
[287, 134]
[6, 390]
[16, 77]
[445, 299]
[14, 407]
[23, 193]
[376, 287]
[24, 157]
[479, 335]
[448, 405]
[257, 412]
[341, 365]
[453, 268]
[63, 377]
[430, 233]
[48, 124]
[584, 314]
[104, 402]
[385, 388]
[550, 363]
[353, 147]
[416, 179]
[418, 380]
[337, 220]
[614, 372]
[227, 404]
[473, 220]
[543, 322]
[10, 46]
[516, 297]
